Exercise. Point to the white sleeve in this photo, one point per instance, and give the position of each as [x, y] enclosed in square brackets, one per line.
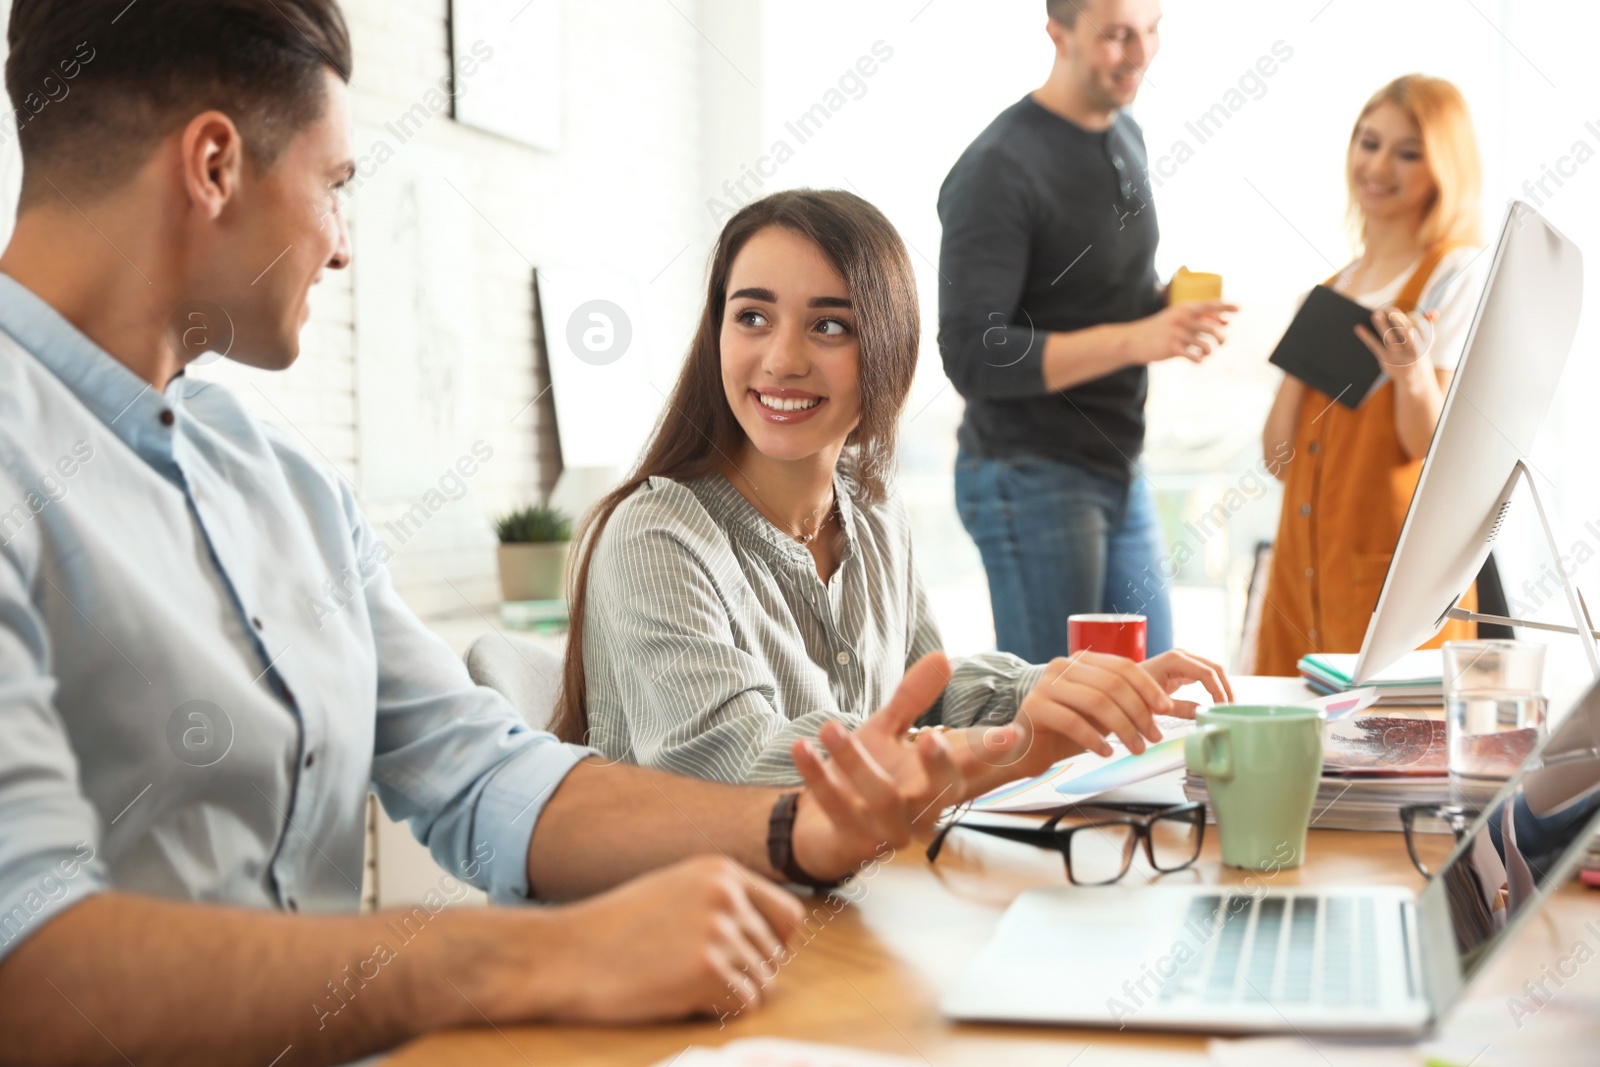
[1453, 293]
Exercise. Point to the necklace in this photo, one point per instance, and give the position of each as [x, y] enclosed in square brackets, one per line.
[806, 539]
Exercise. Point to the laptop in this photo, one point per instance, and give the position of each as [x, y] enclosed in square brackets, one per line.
[1259, 958]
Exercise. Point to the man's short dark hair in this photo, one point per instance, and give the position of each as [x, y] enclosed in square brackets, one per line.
[1063, 11]
[95, 84]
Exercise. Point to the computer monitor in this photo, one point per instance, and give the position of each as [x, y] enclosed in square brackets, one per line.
[1515, 351]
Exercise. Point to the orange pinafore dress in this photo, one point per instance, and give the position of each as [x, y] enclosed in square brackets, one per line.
[1347, 486]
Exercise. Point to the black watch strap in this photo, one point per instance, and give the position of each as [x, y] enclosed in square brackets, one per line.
[780, 844]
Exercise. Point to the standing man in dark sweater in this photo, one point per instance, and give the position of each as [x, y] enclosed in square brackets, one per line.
[1049, 313]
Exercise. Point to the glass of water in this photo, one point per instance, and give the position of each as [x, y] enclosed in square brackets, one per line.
[1494, 704]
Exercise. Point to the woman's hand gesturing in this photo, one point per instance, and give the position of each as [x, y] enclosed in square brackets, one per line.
[1084, 699]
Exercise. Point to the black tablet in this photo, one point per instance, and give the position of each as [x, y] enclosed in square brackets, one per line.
[1321, 348]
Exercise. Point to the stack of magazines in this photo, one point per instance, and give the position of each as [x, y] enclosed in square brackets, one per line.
[1415, 680]
[1372, 765]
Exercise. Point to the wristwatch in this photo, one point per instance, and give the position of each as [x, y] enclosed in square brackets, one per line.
[780, 845]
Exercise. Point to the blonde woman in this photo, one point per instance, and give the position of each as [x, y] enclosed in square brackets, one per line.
[1413, 175]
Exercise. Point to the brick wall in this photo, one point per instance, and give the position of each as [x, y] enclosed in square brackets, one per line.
[625, 192]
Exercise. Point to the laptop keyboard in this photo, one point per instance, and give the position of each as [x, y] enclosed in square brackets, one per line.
[1278, 949]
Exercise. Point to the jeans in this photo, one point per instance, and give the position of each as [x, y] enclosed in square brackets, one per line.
[1058, 540]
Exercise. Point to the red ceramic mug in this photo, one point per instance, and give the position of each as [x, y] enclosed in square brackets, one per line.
[1117, 635]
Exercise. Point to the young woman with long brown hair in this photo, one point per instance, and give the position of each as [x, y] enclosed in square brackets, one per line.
[752, 581]
[1413, 175]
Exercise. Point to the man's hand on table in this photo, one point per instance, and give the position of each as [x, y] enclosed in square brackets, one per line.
[698, 937]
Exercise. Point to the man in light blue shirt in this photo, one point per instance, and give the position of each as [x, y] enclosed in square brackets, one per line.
[185, 746]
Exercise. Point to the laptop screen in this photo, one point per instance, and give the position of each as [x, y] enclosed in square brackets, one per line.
[1529, 840]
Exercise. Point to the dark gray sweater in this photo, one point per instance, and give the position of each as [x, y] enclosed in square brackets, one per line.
[1048, 227]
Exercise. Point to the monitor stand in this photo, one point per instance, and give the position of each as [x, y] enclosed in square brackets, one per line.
[1580, 611]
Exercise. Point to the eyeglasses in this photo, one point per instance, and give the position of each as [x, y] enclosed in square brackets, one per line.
[1100, 852]
[1433, 831]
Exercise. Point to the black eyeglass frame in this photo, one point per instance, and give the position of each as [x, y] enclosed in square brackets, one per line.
[1052, 835]
[1458, 816]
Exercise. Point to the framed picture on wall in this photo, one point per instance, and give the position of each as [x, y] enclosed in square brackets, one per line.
[597, 347]
[505, 56]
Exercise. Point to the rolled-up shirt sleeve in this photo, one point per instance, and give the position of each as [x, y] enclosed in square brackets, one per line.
[49, 831]
[989, 347]
[984, 689]
[452, 758]
[657, 629]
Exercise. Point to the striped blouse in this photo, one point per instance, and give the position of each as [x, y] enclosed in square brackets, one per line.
[710, 643]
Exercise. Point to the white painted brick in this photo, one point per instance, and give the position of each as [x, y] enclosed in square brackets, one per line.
[624, 193]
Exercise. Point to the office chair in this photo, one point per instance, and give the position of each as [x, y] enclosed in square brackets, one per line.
[525, 672]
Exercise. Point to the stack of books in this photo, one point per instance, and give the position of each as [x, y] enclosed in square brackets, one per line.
[1372, 765]
[1416, 680]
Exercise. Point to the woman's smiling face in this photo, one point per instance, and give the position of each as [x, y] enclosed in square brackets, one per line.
[1388, 169]
[789, 347]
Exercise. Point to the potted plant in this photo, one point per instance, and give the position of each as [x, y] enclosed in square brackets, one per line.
[533, 552]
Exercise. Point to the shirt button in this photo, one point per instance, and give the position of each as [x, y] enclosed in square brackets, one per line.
[255, 620]
[1314, 636]
[311, 758]
[1305, 509]
[1311, 572]
[842, 659]
[166, 418]
[1313, 448]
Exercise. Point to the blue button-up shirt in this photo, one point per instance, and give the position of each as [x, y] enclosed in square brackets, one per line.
[204, 666]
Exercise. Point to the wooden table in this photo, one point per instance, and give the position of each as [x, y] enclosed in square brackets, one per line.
[872, 974]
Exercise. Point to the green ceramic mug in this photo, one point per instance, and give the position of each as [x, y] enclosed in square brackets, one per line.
[1262, 765]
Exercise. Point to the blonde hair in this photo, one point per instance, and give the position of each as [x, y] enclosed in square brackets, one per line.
[1450, 150]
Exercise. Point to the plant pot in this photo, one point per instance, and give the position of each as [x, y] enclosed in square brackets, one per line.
[533, 571]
